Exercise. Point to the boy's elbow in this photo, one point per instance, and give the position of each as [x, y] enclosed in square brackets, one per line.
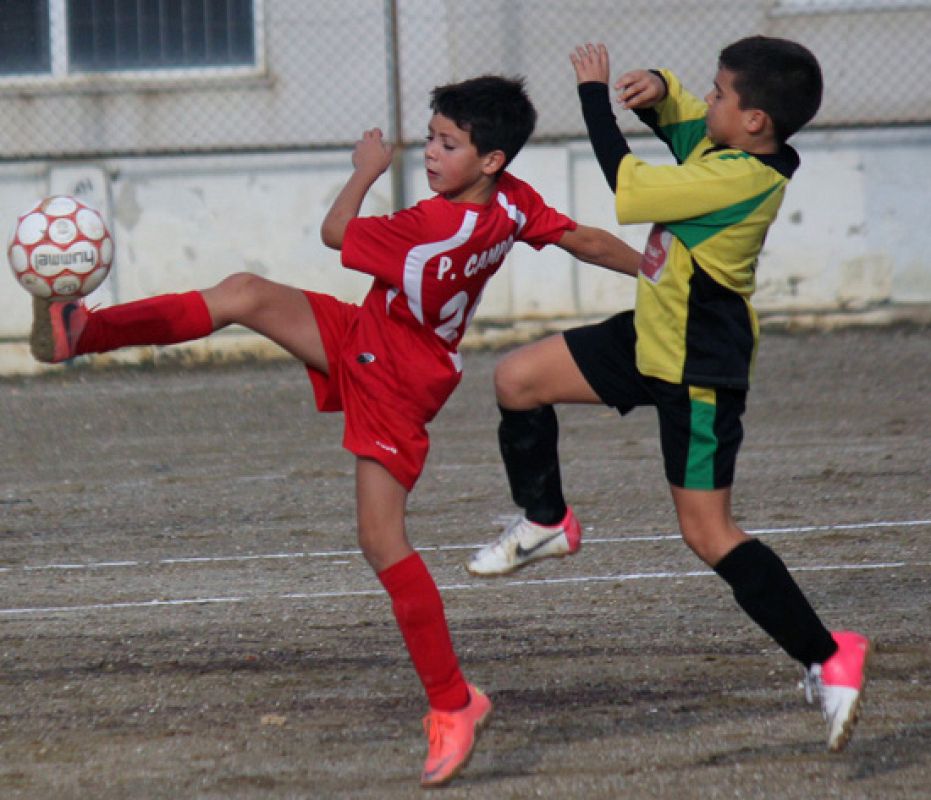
[331, 237]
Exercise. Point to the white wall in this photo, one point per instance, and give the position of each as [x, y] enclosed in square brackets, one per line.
[853, 232]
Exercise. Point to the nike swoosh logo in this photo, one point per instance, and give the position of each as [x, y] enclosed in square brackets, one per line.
[66, 313]
[520, 552]
[428, 775]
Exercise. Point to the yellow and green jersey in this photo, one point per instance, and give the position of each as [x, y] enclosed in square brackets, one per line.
[711, 211]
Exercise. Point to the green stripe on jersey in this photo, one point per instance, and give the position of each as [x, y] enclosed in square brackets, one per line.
[684, 136]
[703, 444]
[692, 232]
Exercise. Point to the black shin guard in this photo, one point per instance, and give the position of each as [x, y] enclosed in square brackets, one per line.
[528, 442]
[764, 589]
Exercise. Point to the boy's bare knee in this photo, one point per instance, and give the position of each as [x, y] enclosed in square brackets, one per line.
[383, 547]
[235, 297]
[711, 540]
[504, 383]
[697, 541]
[368, 546]
[246, 284]
[512, 387]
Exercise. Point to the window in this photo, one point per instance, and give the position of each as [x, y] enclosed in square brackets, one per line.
[24, 37]
[67, 38]
[134, 34]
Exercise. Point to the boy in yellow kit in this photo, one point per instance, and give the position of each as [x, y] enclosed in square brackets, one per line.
[688, 346]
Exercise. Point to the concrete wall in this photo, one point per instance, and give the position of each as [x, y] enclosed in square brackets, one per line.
[853, 233]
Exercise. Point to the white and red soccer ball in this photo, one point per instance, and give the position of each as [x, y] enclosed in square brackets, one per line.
[60, 249]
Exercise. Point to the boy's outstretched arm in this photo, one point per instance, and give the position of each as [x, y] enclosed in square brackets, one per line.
[592, 71]
[597, 246]
[639, 89]
[371, 157]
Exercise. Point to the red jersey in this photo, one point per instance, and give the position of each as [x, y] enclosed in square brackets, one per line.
[393, 361]
[431, 263]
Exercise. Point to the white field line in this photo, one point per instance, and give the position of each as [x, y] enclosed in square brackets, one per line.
[478, 585]
[475, 586]
[330, 554]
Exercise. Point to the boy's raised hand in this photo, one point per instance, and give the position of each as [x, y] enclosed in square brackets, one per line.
[591, 63]
[640, 89]
[372, 154]
[370, 158]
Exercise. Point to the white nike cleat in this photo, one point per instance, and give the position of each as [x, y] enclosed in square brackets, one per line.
[525, 541]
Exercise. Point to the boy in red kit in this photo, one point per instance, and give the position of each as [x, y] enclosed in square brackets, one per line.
[391, 363]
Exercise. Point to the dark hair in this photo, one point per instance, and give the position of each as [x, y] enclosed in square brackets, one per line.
[495, 111]
[778, 76]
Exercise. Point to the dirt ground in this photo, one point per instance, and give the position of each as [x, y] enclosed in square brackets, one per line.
[185, 614]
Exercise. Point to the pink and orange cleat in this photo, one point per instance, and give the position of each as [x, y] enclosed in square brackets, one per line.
[56, 328]
[452, 736]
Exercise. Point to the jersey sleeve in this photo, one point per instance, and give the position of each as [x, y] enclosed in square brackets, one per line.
[378, 246]
[678, 119]
[709, 188]
[538, 224]
[606, 137]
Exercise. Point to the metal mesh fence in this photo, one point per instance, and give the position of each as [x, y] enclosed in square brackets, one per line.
[86, 78]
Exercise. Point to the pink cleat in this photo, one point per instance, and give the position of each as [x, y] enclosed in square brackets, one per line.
[839, 682]
[56, 328]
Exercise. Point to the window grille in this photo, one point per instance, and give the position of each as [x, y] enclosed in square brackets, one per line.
[159, 34]
[24, 37]
[67, 37]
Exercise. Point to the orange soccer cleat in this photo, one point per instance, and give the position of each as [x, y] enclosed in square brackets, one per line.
[452, 736]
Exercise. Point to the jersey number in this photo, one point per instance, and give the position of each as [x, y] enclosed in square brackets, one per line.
[452, 314]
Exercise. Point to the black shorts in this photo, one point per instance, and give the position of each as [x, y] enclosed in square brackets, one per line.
[699, 426]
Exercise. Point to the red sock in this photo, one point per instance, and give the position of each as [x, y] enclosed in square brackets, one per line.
[166, 319]
[418, 608]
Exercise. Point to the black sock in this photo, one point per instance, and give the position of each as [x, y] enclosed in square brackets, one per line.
[764, 589]
[528, 446]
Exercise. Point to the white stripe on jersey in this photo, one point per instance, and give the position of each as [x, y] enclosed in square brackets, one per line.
[513, 211]
[418, 257]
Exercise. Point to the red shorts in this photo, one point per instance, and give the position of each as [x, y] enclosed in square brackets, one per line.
[373, 426]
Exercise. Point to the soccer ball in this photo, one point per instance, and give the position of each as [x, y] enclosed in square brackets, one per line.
[60, 249]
